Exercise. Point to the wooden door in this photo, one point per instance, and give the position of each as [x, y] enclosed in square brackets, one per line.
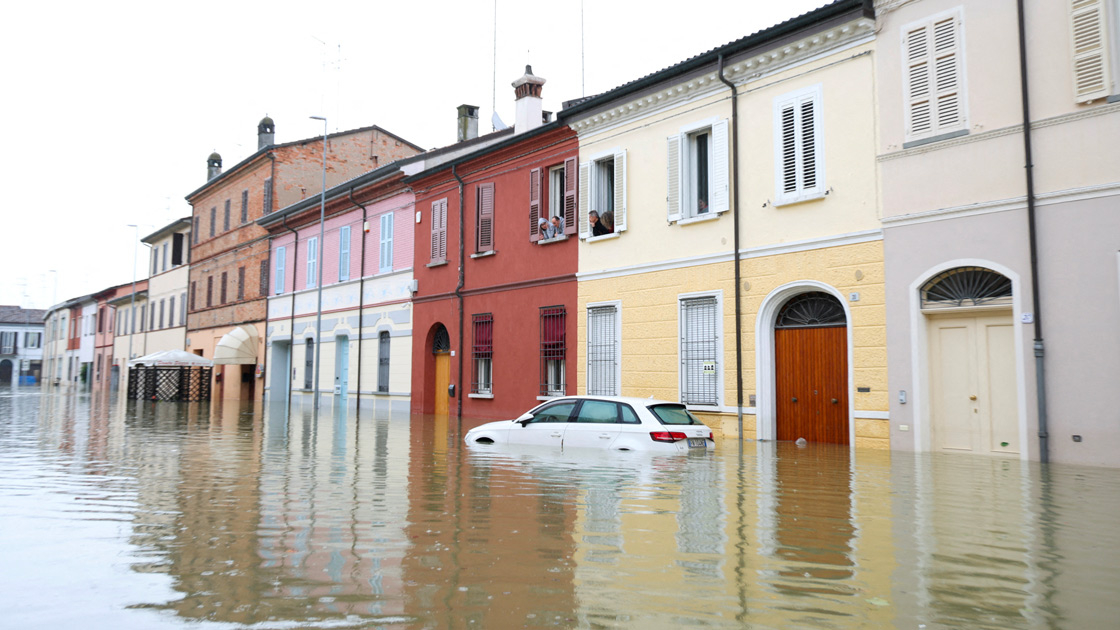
[973, 402]
[443, 379]
[812, 383]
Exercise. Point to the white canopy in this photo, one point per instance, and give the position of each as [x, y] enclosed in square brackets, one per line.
[237, 347]
[172, 357]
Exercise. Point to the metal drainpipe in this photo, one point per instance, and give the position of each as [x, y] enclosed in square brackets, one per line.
[361, 302]
[459, 295]
[292, 316]
[1039, 346]
[738, 279]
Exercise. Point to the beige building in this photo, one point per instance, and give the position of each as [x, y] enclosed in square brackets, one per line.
[977, 317]
[747, 212]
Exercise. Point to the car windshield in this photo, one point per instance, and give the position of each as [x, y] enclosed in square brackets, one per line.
[673, 414]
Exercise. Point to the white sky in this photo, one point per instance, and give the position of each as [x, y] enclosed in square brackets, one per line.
[111, 108]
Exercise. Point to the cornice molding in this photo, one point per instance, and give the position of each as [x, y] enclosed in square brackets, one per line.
[1004, 205]
[745, 254]
[753, 68]
[1092, 112]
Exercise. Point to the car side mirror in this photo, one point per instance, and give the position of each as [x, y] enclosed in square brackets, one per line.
[524, 421]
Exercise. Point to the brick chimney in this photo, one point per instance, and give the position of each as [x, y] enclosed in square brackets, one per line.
[468, 122]
[527, 93]
[266, 133]
[213, 166]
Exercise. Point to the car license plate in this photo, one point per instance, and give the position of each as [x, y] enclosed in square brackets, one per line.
[697, 443]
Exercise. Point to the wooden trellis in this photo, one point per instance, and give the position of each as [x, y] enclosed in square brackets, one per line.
[175, 383]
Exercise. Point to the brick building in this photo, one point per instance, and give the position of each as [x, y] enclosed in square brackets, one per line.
[228, 282]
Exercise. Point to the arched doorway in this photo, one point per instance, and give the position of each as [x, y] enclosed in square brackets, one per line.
[973, 402]
[441, 351]
[811, 369]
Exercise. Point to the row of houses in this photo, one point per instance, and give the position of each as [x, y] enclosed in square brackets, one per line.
[849, 227]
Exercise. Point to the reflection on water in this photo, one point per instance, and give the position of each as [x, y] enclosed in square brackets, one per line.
[137, 515]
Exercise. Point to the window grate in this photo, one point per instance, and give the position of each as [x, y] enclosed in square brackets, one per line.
[814, 309]
[442, 342]
[699, 351]
[602, 351]
[966, 286]
[482, 353]
[553, 351]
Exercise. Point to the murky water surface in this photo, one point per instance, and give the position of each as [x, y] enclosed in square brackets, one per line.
[119, 516]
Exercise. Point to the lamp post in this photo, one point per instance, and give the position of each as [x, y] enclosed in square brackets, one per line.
[319, 268]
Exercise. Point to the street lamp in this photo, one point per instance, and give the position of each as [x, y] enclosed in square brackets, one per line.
[132, 306]
[319, 268]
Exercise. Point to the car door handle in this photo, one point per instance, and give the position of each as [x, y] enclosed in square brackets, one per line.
[557, 434]
[604, 436]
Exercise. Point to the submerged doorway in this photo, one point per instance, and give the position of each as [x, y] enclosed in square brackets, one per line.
[972, 377]
[341, 367]
[441, 349]
[811, 369]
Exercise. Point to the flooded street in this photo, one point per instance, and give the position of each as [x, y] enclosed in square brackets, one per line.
[179, 515]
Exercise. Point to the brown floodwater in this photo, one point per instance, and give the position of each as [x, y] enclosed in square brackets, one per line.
[197, 516]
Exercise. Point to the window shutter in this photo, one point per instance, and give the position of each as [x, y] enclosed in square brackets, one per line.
[584, 171]
[1090, 53]
[240, 283]
[263, 279]
[571, 188]
[245, 206]
[386, 261]
[799, 162]
[281, 255]
[620, 191]
[439, 230]
[807, 110]
[720, 169]
[312, 263]
[267, 196]
[225, 218]
[534, 204]
[673, 177]
[935, 102]
[485, 217]
[344, 253]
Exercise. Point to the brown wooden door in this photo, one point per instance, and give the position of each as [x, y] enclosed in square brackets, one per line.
[443, 379]
[812, 384]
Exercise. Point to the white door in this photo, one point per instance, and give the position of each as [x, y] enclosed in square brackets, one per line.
[342, 367]
[546, 428]
[973, 404]
[596, 425]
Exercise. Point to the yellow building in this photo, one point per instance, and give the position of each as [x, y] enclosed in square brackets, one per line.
[676, 163]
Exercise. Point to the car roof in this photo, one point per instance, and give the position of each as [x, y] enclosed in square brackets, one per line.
[631, 400]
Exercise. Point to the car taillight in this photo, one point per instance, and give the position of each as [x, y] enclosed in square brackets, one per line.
[667, 436]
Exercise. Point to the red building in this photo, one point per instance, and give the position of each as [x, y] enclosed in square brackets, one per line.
[494, 306]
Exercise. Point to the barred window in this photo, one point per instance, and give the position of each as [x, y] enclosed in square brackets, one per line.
[603, 349]
[553, 351]
[699, 351]
[483, 354]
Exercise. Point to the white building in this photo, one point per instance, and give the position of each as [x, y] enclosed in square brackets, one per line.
[21, 345]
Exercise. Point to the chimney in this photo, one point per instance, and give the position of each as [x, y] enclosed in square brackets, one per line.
[468, 122]
[266, 133]
[527, 91]
[213, 166]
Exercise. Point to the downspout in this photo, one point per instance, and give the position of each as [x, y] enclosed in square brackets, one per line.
[459, 295]
[738, 279]
[361, 303]
[1039, 347]
[292, 315]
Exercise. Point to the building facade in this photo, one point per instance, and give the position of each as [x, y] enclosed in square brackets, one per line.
[744, 272]
[978, 319]
[21, 345]
[495, 296]
[228, 278]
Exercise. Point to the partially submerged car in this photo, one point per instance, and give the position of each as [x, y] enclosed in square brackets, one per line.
[602, 422]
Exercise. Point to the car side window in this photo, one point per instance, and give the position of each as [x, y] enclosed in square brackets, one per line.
[673, 414]
[628, 415]
[598, 411]
[555, 413]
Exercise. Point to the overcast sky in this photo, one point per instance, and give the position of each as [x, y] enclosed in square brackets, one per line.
[111, 108]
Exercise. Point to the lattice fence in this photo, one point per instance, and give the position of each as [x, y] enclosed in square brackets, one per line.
[178, 383]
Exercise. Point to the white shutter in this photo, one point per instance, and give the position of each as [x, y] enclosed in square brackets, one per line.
[719, 169]
[1089, 38]
[312, 246]
[934, 77]
[281, 254]
[385, 262]
[798, 138]
[620, 191]
[584, 194]
[344, 253]
[673, 177]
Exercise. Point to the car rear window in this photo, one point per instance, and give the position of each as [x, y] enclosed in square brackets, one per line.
[673, 414]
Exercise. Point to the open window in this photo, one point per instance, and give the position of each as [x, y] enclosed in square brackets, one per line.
[697, 171]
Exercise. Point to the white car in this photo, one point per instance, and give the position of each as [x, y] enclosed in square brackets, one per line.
[602, 422]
